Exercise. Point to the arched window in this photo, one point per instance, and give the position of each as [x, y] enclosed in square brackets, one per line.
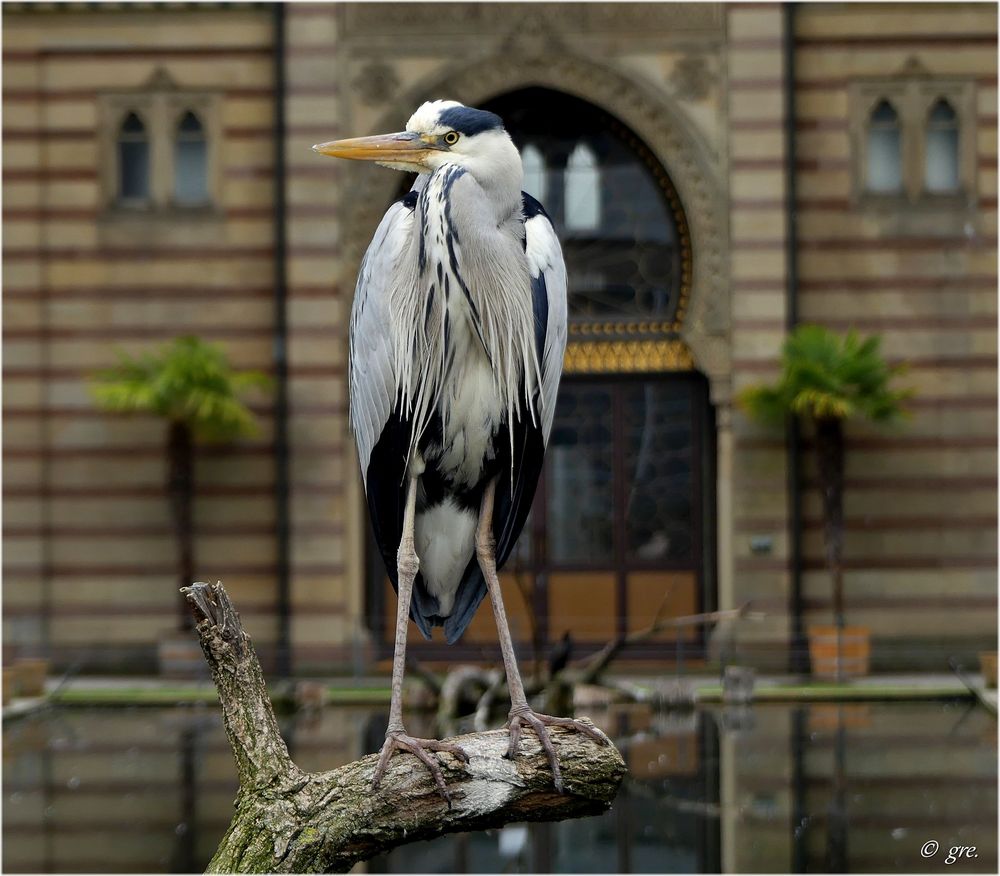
[620, 222]
[534, 172]
[941, 153]
[190, 162]
[885, 170]
[133, 160]
[583, 190]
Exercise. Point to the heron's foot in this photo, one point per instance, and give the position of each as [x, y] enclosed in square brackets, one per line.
[399, 740]
[538, 723]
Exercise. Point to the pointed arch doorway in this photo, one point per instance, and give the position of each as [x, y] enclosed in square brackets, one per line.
[622, 527]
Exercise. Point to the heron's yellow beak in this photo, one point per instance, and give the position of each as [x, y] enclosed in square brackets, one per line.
[404, 147]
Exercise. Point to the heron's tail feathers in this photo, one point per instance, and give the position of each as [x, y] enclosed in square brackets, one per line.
[424, 607]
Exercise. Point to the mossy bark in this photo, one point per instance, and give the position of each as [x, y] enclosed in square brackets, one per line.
[290, 821]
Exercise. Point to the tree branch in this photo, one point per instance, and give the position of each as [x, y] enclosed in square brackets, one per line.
[291, 821]
[599, 662]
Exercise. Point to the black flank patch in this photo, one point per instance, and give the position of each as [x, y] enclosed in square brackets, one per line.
[532, 207]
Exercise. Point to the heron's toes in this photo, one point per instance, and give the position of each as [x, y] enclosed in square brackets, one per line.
[449, 747]
[399, 740]
[539, 723]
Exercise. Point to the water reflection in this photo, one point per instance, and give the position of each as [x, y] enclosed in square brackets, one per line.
[820, 787]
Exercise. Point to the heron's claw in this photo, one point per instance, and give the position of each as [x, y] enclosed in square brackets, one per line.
[538, 723]
[398, 740]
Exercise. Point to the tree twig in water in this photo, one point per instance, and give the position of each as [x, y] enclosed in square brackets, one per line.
[596, 665]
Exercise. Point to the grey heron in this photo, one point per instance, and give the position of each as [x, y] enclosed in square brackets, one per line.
[458, 330]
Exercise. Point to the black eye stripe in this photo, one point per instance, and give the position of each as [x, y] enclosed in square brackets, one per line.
[469, 121]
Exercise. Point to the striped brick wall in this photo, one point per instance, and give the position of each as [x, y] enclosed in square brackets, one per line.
[86, 532]
[921, 500]
[758, 268]
[326, 509]
[24, 353]
[86, 529]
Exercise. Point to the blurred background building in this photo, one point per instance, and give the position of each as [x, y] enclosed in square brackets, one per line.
[719, 174]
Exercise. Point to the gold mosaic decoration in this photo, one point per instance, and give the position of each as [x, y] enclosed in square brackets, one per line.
[596, 357]
[621, 328]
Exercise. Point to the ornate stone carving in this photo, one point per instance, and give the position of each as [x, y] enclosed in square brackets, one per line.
[532, 37]
[692, 78]
[159, 80]
[376, 82]
[913, 68]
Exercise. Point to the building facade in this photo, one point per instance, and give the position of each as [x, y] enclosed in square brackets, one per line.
[718, 174]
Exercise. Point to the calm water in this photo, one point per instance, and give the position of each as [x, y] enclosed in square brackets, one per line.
[813, 788]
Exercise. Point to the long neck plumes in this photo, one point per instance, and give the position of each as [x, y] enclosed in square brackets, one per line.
[469, 283]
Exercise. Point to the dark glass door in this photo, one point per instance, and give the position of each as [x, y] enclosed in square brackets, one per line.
[622, 537]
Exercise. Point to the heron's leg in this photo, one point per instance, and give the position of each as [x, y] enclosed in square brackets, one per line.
[520, 711]
[396, 738]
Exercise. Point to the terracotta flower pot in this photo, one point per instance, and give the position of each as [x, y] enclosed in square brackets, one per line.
[853, 657]
[988, 665]
[9, 685]
[31, 675]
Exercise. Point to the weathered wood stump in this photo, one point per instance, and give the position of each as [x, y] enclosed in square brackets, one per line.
[291, 821]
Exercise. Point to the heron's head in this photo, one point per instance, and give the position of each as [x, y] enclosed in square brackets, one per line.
[442, 132]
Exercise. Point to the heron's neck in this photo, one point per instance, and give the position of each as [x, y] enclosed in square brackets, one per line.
[496, 166]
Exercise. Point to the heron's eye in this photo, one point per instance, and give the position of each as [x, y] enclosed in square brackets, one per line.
[451, 138]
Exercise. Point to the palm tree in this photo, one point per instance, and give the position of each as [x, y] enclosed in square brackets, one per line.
[190, 384]
[827, 379]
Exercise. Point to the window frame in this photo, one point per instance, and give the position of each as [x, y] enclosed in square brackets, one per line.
[913, 99]
[541, 196]
[925, 140]
[961, 97]
[121, 201]
[867, 140]
[594, 177]
[161, 108]
[205, 107]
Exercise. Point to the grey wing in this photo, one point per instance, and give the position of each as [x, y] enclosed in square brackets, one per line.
[548, 280]
[372, 372]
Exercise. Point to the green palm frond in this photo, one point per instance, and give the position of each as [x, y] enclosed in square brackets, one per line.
[766, 403]
[189, 381]
[828, 376]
